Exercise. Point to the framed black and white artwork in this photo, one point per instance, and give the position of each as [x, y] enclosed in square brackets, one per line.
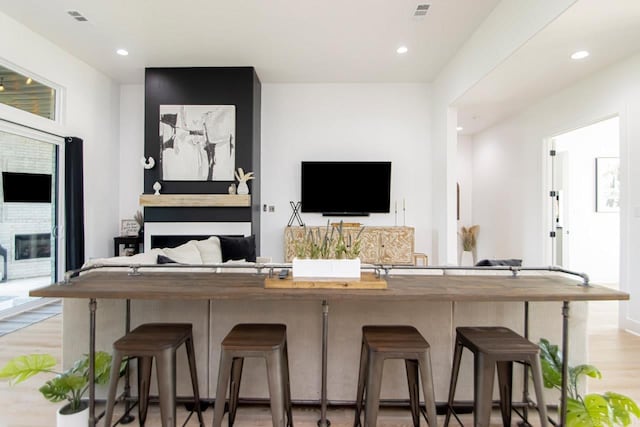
[607, 184]
[197, 142]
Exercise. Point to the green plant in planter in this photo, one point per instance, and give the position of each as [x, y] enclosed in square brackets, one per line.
[591, 410]
[70, 385]
[323, 244]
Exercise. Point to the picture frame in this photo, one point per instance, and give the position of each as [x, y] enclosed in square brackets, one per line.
[607, 184]
[197, 142]
[129, 227]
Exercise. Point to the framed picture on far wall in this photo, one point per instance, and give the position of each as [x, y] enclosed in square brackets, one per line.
[607, 184]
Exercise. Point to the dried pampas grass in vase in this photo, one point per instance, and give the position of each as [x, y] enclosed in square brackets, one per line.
[468, 240]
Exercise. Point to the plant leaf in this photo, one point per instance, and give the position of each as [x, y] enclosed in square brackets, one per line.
[551, 362]
[623, 406]
[62, 387]
[21, 368]
[594, 411]
[588, 370]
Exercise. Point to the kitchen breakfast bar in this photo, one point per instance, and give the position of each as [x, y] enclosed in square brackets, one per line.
[442, 294]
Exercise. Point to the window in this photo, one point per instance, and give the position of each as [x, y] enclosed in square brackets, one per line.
[27, 93]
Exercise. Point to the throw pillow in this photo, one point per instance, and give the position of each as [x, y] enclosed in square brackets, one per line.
[235, 248]
[184, 254]
[210, 250]
[165, 260]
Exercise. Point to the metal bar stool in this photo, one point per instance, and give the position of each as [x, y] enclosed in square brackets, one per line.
[495, 346]
[159, 341]
[394, 342]
[268, 341]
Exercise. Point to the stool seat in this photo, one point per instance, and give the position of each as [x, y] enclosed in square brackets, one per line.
[495, 348]
[255, 336]
[405, 339]
[495, 340]
[381, 342]
[157, 341]
[264, 340]
[153, 337]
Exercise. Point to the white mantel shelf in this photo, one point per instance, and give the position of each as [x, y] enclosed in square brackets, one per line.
[195, 200]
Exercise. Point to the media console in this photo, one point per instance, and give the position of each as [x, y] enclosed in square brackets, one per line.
[380, 245]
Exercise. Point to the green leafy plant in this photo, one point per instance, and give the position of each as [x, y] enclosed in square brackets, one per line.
[591, 410]
[70, 385]
[328, 243]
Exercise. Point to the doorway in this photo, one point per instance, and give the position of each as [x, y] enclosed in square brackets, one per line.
[29, 215]
[585, 212]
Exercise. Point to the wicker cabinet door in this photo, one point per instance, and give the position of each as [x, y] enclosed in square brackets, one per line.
[370, 246]
[291, 236]
[396, 245]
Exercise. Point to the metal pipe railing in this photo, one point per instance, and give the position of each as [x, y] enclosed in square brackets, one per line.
[270, 267]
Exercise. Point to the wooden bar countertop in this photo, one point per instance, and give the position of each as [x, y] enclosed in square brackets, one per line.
[219, 286]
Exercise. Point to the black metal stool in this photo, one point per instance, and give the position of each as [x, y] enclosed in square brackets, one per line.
[268, 341]
[394, 342]
[159, 341]
[493, 346]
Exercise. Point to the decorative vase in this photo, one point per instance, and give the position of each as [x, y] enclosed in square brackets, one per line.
[326, 268]
[243, 188]
[77, 419]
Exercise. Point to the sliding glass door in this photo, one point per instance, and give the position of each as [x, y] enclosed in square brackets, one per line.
[28, 213]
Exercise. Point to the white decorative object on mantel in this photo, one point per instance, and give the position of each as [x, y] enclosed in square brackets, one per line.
[326, 268]
[148, 163]
[242, 180]
[157, 187]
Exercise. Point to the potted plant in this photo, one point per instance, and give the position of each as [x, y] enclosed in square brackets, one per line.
[328, 254]
[590, 410]
[69, 386]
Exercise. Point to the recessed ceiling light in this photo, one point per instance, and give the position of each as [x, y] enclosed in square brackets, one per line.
[459, 128]
[402, 49]
[29, 80]
[122, 52]
[581, 54]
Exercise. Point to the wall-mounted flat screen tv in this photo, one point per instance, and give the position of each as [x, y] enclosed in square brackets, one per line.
[26, 187]
[346, 188]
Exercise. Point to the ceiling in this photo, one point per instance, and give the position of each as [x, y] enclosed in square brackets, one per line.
[297, 41]
[285, 40]
[609, 30]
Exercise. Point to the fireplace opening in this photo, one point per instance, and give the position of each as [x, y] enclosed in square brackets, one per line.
[29, 246]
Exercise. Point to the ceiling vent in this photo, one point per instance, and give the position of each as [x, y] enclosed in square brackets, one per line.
[77, 16]
[421, 10]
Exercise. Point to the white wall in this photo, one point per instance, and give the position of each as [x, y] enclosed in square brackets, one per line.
[507, 28]
[345, 122]
[464, 167]
[90, 111]
[387, 122]
[591, 239]
[131, 149]
[508, 169]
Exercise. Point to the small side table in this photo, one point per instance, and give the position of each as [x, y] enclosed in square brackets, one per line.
[127, 242]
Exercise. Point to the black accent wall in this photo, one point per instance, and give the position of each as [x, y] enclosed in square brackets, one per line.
[239, 86]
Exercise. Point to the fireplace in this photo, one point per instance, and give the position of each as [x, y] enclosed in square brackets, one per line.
[29, 246]
[171, 234]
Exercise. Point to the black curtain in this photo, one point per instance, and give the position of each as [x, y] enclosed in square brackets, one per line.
[74, 203]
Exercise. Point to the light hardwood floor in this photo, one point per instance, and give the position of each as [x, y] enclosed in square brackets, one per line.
[614, 352]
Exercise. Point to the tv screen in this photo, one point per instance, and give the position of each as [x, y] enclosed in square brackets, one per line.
[26, 187]
[346, 188]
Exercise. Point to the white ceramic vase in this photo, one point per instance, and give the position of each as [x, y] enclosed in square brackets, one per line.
[243, 188]
[326, 268]
[78, 419]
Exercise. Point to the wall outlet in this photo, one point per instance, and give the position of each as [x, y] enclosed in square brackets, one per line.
[272, 208]
[264, 207]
